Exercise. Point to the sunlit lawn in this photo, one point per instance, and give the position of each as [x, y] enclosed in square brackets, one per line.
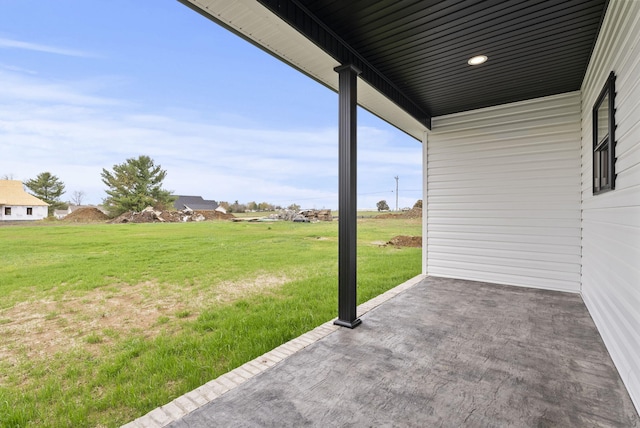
[100, 324]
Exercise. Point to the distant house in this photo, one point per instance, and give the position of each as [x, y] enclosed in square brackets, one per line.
[60, 214]
[16, 204]
[195, 203]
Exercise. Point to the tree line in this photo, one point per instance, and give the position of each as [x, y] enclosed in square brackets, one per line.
[131, 186]
[253, 206]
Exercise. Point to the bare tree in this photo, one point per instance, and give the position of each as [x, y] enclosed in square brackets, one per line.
[77, 197]
[7, 177]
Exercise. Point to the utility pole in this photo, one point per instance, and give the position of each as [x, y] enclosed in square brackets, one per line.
[396, 177]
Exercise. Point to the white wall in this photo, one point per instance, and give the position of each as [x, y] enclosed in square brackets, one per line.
[20, 213]
[503, 193]
[611, 221]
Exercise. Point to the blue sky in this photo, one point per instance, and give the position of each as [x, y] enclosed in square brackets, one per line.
[85, 85]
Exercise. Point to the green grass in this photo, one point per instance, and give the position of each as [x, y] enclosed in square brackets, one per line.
[102, 323]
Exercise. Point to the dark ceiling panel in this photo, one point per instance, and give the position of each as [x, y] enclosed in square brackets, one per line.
[419, 48]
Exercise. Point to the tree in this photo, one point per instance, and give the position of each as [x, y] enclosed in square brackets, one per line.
[265, 206]
[135, 185]
[382, 205]
[77, 197]
[49, 188]
[237, 207]
[294, 207]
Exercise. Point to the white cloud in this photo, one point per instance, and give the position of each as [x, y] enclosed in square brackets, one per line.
[21, 89]
[17, 69]
[18, 44]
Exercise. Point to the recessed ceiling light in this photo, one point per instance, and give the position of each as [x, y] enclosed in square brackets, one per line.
[477, 60]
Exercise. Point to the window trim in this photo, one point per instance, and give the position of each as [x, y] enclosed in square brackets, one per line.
[7, 211]
[29, 211]
[605, 144]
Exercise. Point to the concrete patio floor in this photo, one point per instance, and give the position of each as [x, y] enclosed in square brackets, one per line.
[442, 352]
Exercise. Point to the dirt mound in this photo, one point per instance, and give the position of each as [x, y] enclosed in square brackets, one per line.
[412, 213]
[406, 241]
[415, 212]
[86, 215]
[150, 215]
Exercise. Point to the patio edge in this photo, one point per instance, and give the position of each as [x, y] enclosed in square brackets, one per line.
[185, 404]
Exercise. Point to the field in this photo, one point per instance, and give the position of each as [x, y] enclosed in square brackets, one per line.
[100, 324]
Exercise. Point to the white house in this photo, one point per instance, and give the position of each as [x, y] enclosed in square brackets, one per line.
[60, 214]
[531, 160]
[16, 204]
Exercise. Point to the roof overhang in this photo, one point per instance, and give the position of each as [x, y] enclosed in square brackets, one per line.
[413, 54]
[261, 27]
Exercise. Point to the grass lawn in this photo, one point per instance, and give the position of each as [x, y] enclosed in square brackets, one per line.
[100, 324]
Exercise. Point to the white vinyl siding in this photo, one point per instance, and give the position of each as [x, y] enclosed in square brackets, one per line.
[19, 213]
[503, 194]
[611, 221]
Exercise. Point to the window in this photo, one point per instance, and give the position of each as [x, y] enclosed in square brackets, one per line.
[604, 125]
[7, 210]
[29, 211]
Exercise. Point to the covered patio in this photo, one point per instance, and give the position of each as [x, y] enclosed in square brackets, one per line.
[433, 352]
[530, 179]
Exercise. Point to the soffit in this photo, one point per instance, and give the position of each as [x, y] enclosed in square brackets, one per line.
[414, 53]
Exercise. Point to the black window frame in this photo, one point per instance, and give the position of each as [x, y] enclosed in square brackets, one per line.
[29, 211]
[7, 211]
[604, 155]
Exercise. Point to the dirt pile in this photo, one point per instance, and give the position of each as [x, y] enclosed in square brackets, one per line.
[317, 215]
[412, 213]
[406, 241]
[151, 215]
[415, 212]
[86, 215]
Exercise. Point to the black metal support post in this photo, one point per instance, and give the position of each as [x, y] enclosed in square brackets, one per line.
[347, 236]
